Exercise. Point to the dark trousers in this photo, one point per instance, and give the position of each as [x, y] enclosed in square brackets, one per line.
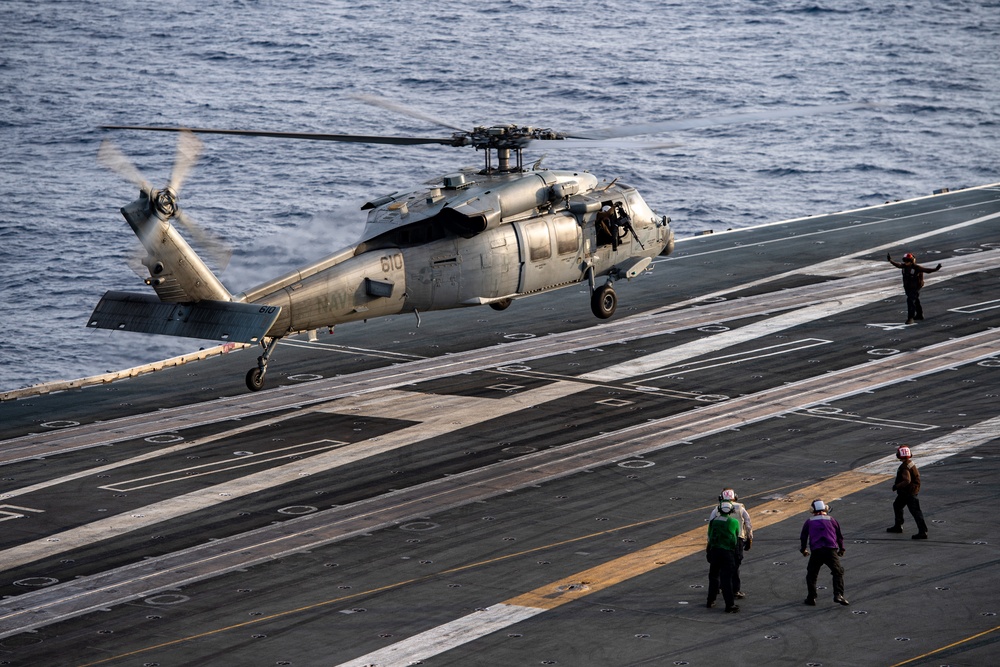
[912, 504]
[913, 309]
[722, 568]
[737, 584]
[817, 559]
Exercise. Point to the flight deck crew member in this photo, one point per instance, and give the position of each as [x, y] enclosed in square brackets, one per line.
[606, 224]
[723, 536]
[822, 532]
[907, 486]
[913, 280]
[745, 539]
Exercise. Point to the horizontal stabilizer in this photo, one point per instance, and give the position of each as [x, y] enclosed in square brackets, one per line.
[212, 320]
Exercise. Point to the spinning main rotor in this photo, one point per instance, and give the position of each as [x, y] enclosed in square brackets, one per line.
[506, 140]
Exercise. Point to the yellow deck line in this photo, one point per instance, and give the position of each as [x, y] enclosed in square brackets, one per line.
[686, 544]
[468, 628]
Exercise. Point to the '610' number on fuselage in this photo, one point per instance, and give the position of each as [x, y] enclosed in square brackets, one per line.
[394, 261]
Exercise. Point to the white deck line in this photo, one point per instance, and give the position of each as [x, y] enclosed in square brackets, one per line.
[437, 640]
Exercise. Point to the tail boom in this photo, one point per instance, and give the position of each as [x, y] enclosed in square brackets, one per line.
[176, 271]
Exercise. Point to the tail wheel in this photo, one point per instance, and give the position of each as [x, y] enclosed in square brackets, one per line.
[255, 379]
[501, 305]
[604, 301]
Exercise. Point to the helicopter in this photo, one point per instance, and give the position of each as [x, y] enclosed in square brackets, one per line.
[474, 236]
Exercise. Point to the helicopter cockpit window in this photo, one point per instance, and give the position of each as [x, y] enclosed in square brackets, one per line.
[537, 236]
[567, 235]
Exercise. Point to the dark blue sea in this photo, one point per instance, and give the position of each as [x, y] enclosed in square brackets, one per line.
[69, 66]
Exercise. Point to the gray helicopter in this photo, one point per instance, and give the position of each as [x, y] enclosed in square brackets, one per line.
[475, 236]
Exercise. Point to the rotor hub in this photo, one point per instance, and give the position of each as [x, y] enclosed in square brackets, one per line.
[503, 137]
[505, 140]
[165, 202]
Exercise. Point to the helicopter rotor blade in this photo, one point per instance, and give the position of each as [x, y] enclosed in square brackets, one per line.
[727, 119]
[617, 144]
[111, 157]
[389, 105]
[214, 247]
[135, 262]
[188, 149]
[312, 136]
[503, 137]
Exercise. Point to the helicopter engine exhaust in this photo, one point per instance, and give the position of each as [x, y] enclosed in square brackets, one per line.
[522, 194]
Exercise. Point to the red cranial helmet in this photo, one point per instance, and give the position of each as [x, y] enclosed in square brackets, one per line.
[903, 452]
[908, 257]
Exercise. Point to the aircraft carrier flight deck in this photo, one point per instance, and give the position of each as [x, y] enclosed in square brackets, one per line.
[531, 487]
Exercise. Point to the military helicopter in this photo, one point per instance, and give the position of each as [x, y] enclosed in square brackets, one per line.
[471, 237]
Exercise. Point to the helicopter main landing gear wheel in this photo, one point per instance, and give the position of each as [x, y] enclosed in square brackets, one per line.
[603, 301]
[255, 376]
[502, 304]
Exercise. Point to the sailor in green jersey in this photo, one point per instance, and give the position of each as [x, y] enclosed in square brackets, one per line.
[723, 542]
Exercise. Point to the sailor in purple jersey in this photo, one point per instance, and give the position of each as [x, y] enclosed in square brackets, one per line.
[821, 535]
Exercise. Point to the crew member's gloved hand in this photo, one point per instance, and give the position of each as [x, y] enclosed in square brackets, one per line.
[888, 256]
[938, 268]
[840, 552]
[746, 547]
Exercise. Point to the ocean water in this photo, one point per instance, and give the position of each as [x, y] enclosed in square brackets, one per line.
[69, 66]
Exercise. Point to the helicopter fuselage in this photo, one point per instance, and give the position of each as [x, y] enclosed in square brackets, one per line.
[471, 238]
[435, 262]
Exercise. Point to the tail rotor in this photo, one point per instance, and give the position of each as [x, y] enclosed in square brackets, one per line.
[163, 203]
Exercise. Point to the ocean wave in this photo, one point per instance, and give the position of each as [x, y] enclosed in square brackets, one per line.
[870, 168]
[813, 10]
